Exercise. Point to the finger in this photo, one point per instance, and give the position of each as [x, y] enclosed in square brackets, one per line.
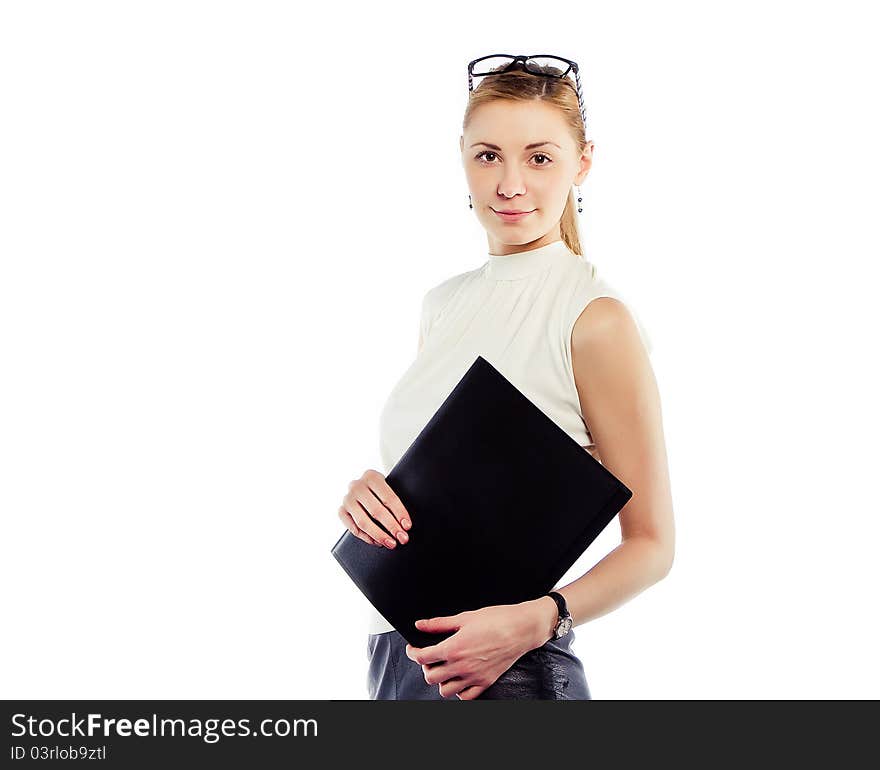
[379, 514]
[372, 495]
[441, 623]
[352, 527]
[443, 672]
[364, 521]
[470, 693]
[436, 653]
[355, 530]
[388, 497]
[452, 687]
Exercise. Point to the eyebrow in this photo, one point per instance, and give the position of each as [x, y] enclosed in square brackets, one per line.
[528, 146]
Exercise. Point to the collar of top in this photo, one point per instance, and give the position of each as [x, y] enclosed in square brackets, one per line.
[520, 264]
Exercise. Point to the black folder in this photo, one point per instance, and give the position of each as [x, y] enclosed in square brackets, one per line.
[503, 502]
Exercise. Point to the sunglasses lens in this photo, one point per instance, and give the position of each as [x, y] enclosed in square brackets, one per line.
[547, 65]
[491, 64]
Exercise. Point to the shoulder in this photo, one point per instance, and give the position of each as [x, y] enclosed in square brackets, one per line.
[605, 322]
[611, 366]
[597, 307]
[610, 354]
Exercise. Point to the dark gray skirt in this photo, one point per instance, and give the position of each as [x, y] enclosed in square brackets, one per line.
[550, 672]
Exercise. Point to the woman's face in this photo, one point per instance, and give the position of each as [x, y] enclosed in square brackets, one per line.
[508, 170]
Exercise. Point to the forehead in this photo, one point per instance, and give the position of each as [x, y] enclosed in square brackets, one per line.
[516, 123]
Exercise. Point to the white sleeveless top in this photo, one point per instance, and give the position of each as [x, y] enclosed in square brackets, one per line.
[517, 311]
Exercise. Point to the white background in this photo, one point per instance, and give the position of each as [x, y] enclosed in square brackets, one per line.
[217, 221]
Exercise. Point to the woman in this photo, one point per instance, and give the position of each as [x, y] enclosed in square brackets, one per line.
[539, 312]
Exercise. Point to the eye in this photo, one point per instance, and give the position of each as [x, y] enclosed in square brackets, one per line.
[547, 159]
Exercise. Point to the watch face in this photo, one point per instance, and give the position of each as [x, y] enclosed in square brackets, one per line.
[563, 627]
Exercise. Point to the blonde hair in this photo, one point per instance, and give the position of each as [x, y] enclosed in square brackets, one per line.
[522, 86]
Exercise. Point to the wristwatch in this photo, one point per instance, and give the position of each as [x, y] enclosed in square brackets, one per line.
[563, 622]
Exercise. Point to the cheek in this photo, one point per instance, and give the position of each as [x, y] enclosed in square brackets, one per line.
[479, 179]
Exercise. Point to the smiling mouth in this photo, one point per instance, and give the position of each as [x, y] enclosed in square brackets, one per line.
[512, 217]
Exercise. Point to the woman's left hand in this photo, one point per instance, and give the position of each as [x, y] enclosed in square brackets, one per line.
[487, 642]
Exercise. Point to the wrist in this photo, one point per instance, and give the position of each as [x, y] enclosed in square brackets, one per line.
[543, 614]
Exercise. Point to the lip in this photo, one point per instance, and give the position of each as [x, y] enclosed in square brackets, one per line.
[513, 217]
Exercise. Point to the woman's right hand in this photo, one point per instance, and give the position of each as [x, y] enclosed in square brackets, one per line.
[371, 492]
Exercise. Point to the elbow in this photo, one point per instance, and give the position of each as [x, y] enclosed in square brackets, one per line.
[658, 556]
[667, 557]
[663, 555]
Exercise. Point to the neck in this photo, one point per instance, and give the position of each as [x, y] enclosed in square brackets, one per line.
[527, 261]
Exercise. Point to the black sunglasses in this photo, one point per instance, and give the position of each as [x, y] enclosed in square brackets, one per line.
[540, 64]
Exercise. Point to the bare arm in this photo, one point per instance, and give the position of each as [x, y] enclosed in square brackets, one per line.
[621, 404]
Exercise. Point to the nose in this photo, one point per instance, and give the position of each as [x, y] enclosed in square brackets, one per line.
[509, 189]
[511, 183]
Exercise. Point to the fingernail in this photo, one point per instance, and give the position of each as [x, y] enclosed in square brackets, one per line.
[389, 542]
[402, 536]
[405, 523]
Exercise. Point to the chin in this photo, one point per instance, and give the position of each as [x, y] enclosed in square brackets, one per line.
[517, 235]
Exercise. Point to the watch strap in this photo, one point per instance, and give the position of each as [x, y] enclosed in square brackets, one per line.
[560, 604]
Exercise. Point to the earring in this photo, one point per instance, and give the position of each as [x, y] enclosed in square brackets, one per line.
[470, 202]
[579, 200]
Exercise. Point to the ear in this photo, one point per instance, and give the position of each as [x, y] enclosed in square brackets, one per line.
[585, 163]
